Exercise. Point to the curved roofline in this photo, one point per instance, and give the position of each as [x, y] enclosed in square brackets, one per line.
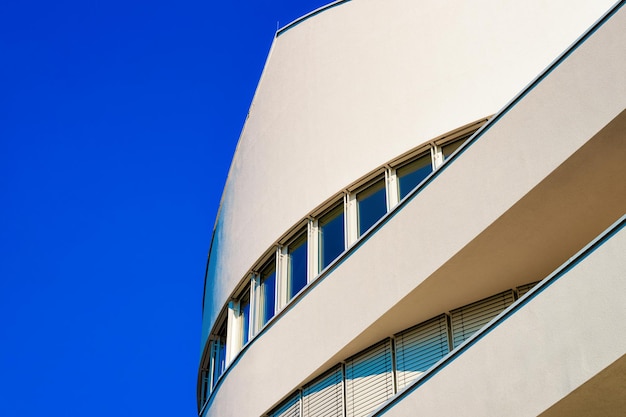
[309, 15]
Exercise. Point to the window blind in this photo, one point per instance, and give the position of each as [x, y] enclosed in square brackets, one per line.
[369, 379]
[470, 318]
[525, 288]
[324, 396]
[289, 408]
[419, 348]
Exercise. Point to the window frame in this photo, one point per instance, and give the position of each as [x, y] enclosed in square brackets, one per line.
[425, 153]
[244, 324]
[220, 354]
[295, 242]
[338, 208]
[260, 302]
[355, 221]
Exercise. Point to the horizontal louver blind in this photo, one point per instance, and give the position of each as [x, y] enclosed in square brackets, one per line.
[467, 320]
[419, 348]
[525, 288]
[369, 379]
[290, 408]
[324, 396]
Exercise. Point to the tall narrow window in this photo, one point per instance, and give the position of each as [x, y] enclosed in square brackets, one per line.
[331, 236]
[218, 353]
[244, 316]
[205, 387]
[449, 148]
[411, 174]
[268, 292]
[372, 205]
[297, 252]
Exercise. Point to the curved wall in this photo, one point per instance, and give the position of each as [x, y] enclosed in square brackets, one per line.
[360, 83]
[499, 215]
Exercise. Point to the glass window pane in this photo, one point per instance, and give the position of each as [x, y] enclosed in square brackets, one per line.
[372, 205]
[449, 149]
[219, 353]
[268, 292]
[206, 386]
[297, 265]
[244, 312]
[331, 236]
[413, 173]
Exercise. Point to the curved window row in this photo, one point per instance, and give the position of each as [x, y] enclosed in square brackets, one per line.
[360, 384]
[312, 245]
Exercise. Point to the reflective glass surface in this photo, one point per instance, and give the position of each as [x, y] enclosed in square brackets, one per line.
[372, 204]
[411, 174]
[331, 236]
[218, 348]
[206, 387]
[297, 265]
[244, 311]
[268, 292]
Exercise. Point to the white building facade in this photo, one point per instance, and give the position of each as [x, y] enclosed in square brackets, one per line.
[424, 215]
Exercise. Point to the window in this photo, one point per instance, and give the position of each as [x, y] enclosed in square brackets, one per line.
[411, 174]
[449, 148]
[469, 319]
[331, 236]
[289, 408]
[369, 379]
[244, 316]
[324, 396]
[205, 386]
[372, 205]
[521, 291]
[297, 270]
[218, 353]
[419, 348]
[267, 288]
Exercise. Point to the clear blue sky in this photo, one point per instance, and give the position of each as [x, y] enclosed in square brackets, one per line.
[118, 121]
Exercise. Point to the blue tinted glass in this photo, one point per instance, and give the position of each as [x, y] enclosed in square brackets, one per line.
[411, 174]
[297, 266]
[222, 357]
[331, 229]
[244, 308]
[372, 205]
[268, 285]
[219, 353]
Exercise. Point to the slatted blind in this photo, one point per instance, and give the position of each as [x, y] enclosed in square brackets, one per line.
[470, 318]
[369, 379]
[289, 408]
[324, 396]
[525, 288]
[419, 348]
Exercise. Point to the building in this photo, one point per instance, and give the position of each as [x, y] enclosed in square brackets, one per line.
[425, 216]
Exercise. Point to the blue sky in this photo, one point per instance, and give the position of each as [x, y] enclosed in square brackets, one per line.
[118, 121]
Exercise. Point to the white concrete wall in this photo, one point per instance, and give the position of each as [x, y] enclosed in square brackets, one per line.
[357, 85]
[530, 144]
